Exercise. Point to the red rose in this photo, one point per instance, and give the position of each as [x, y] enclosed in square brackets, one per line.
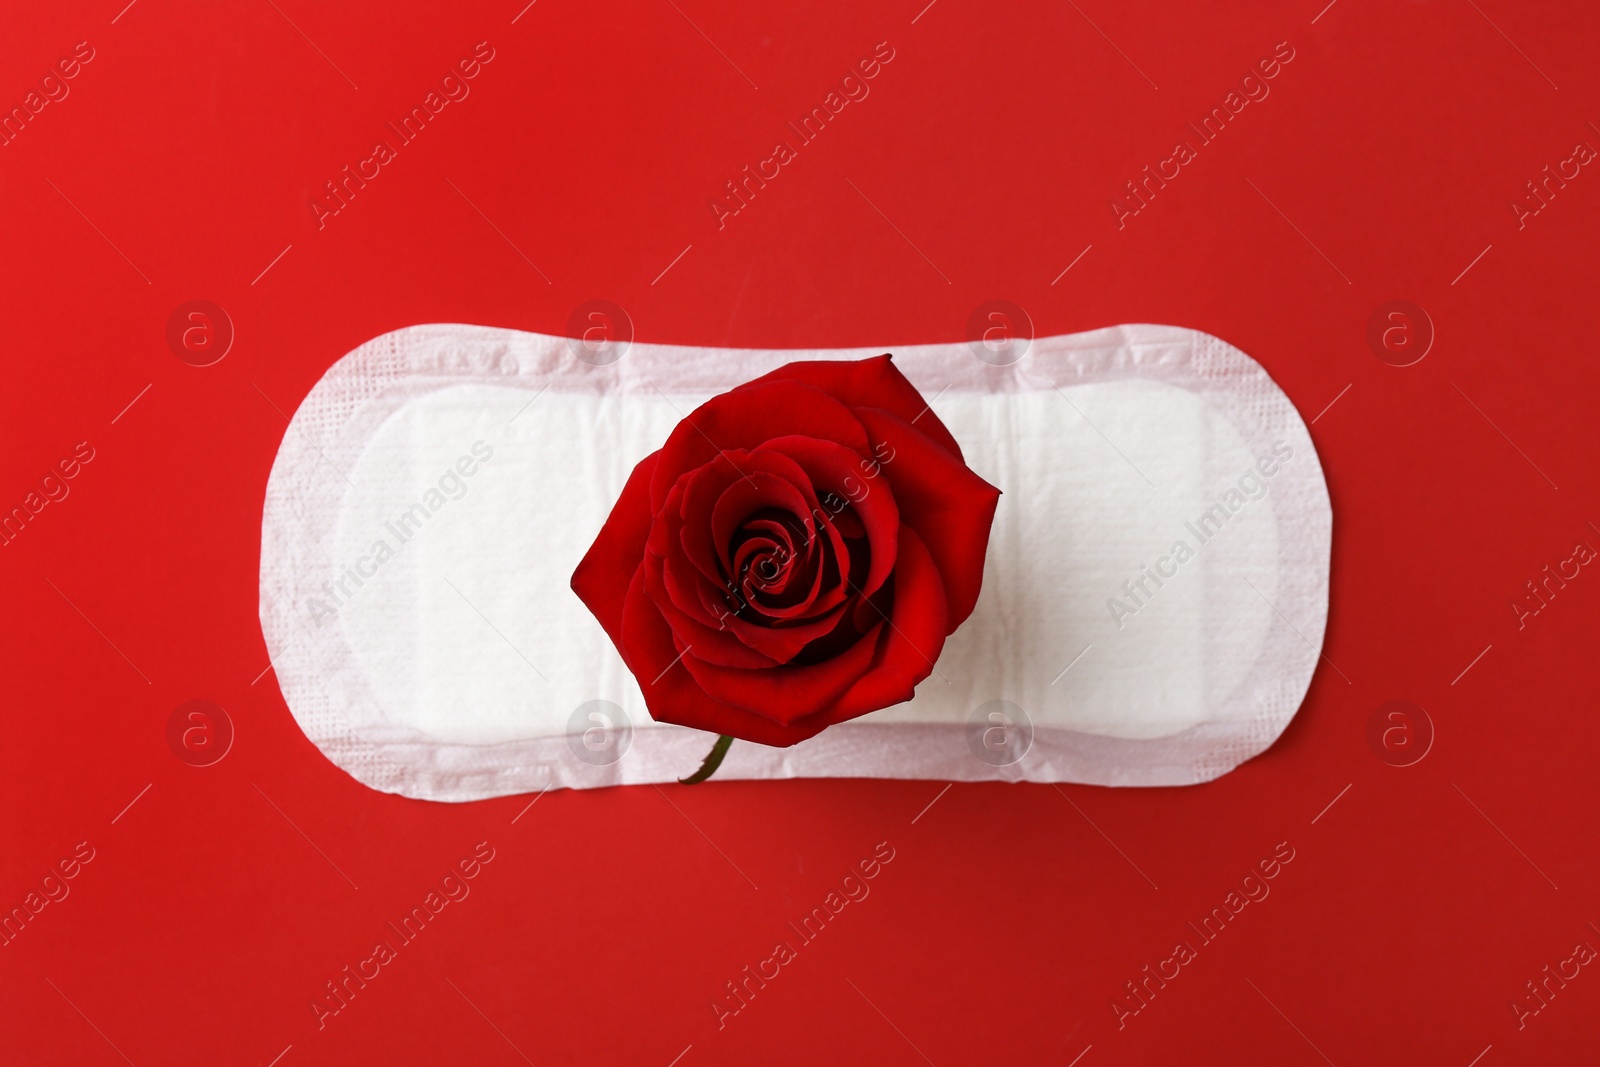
[794, 555]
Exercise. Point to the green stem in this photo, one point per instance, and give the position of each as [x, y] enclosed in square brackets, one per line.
[713, 760]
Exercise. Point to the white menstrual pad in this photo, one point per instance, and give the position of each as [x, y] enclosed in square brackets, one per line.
[438, 486]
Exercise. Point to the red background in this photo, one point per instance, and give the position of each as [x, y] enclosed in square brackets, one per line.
[1416, 907]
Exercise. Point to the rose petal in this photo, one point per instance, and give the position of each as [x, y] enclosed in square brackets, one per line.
[908, 649]
[784, 694]
[705, 485]
[698, 588]
[602, 577]
[873, 383]
[834, 468]
[685, 597]
[708, 602]
[784, 643]
[671, 694]
[949, 506]
[746, 497]
[690, 589]
[746, 417]
[715, 643]
[775, 569]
